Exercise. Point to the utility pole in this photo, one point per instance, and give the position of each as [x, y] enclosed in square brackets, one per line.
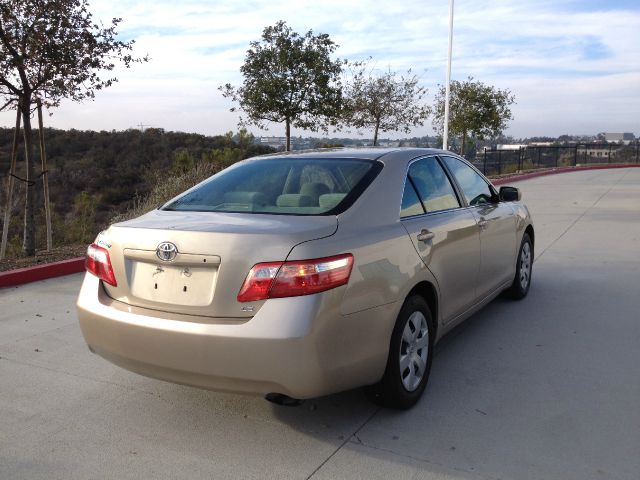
[445, 135]
[142, 127]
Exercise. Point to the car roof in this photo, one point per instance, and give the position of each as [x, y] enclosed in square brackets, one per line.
[366, 153]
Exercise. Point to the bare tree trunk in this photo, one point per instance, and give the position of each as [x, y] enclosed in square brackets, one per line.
[375, 134]
[288, 148]
[29, 238]
[12, 180]
[464, 141]
[45, 178]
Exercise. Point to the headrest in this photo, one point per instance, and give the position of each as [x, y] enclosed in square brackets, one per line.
[294, 200]
[330, 200]
[257, 198]
[314, 190]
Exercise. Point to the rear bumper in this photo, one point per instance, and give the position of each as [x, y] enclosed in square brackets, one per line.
[300, 346]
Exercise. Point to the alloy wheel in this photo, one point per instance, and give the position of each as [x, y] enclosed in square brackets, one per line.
[414, 351]
[525, 266]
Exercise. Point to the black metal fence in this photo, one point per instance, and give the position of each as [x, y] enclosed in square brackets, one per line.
[502, 161]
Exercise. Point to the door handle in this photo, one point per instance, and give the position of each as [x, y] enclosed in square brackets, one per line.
[482, 223]
[425, 235]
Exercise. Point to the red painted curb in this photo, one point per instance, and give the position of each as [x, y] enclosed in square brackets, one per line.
[527, 176]
[41, 272]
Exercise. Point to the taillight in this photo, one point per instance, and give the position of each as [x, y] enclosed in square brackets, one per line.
[98, 262]
[295, 278]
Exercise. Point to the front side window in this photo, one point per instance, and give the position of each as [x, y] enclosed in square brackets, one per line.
[432, 184]
[476, 190]
[289, 186]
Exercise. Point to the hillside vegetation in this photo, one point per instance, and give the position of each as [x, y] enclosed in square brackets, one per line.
[96, 177]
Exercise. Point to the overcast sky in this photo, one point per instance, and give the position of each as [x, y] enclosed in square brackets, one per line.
[573, 65]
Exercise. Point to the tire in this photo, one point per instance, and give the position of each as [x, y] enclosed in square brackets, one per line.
[411, 344]
[522, 279]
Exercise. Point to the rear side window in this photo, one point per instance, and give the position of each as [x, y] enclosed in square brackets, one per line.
[411, 204]
[476, 190]
[434, 190]
[284, 186]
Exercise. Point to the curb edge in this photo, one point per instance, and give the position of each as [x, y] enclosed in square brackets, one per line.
[20, 276]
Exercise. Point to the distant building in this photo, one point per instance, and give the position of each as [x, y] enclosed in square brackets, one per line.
[596, 151]
[279, 143]
[412, 143]
[540, 144]
[501, 146]
[389, 143]
[626, 137]
[274, 142]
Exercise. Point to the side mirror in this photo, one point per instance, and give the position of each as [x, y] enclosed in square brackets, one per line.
[510, 194]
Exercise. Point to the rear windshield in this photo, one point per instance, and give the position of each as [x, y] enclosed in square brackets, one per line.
[284, 186]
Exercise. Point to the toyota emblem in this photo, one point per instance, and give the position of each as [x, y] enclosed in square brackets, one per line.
[167, 251]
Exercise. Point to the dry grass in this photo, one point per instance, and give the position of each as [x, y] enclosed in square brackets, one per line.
[166, 186]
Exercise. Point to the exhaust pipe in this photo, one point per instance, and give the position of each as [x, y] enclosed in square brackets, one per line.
[284, 400]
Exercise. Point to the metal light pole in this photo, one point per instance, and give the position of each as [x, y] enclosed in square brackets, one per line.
[445, 135]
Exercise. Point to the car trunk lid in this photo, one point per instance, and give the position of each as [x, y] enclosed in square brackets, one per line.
[214, 253]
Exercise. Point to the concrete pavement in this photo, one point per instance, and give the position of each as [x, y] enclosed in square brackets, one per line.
[545, 388]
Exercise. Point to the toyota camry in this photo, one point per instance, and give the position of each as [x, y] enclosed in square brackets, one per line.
[302, 274]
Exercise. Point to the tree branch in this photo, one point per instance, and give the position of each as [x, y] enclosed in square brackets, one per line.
[14, 53]
[10, 86]
[9, 102]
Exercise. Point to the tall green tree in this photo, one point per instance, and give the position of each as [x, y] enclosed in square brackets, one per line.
[51, 50]
[244, 139]
[475, 110]
[386, 102]
[291, 79]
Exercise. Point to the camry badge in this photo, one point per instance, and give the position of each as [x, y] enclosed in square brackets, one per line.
[166, 251]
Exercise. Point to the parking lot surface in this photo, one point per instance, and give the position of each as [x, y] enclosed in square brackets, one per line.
[545, 388]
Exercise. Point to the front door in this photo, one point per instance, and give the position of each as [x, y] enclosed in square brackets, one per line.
[497, 225]
[445, 235]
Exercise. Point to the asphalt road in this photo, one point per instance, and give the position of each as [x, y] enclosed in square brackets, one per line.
[545, 388]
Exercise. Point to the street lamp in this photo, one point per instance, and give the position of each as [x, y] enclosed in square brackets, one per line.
[445, 135]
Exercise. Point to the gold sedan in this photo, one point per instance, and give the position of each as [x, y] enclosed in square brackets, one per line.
[299, 275]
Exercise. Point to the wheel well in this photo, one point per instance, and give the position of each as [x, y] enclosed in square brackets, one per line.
[427, 291]
[529, 231]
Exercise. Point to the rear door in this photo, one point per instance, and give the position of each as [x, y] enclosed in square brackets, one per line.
[497, 222]
[445, 235]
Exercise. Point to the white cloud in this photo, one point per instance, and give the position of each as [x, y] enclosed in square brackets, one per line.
[572, 69]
